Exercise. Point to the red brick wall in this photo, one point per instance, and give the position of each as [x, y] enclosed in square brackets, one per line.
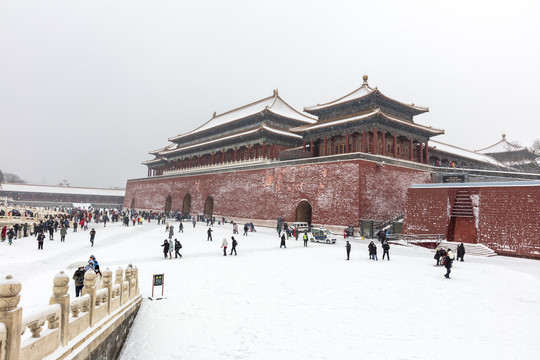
[340, 193]
[507, 218]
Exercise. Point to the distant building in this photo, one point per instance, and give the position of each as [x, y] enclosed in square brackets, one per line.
[513, 156]
[60, 196]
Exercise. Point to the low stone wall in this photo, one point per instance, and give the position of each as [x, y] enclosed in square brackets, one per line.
[76, 329]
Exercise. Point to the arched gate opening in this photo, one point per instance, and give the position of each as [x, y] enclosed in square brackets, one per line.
[186, 206]
[209, 207]
[304, 212]
[168, 204]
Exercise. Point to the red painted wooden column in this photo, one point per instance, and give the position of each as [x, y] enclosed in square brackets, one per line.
[364, 141]
[353, 145]
[311, 148]
[421, 145]
[264, 148]
[347, 143]
[222, 156]
[374, 148]
[332, 147]
[198, 160]
[148, 172]
[249, 151]
[304, 145]
[212, 158]
[272, 151]
[383, 142]
[395, 145]
[325, 149]
[427, 154]
[411, 149]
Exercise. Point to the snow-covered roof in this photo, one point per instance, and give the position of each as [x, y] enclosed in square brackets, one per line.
[168, 147]
[49, 189]
[240, 134]
[451, 149]
[273, 104]
[364, 91]
[367, 116]
[501, 147]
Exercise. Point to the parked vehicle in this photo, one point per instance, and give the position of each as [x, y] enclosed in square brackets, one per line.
[301, 226]
[322, 235]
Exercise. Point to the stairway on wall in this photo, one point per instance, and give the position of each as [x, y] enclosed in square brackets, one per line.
[470, 249]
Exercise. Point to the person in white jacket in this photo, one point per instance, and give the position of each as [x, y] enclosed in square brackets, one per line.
[171, 248]
[224, 245]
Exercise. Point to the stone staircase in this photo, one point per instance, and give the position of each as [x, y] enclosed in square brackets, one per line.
[470, 249]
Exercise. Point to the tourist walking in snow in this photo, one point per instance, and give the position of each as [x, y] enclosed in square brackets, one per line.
[234, 243]
[171, 248]
[63, 232]
[348, 248]
[386, 249]
[447, 262]
[51, 232]
[181, 227]
[460, 251]
[4, 232]
[92, 236]
[40, 239]
[283, 241]
[305, 237]
[209, 232]
[78, 276]
[165, 246]
[224, 245]
[235, 228]
[372, 248]
[245, 229]
[171, 232]
[177, 247]
[194, 221]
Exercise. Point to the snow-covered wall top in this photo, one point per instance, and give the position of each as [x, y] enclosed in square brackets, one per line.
[479, 184]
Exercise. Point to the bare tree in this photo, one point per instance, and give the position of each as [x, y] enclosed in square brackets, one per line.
[13, 179]
[535, 148]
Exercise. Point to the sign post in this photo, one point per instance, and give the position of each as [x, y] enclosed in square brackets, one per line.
[158, 280]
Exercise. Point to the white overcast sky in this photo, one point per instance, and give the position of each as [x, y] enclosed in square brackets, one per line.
[88, 88]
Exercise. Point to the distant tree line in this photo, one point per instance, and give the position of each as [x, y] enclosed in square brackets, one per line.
[10, 178]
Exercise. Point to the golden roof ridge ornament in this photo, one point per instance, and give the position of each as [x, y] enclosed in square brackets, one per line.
[365, 78]
[276, 93]
[214, 115]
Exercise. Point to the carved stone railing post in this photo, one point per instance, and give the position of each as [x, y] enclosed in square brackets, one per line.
[61, 296]
[120, 280]
[136, 277]
[90, 289]
[107, 283]
[11, 315]
[129, 271]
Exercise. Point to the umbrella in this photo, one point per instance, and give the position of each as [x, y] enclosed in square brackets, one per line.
[77, 264]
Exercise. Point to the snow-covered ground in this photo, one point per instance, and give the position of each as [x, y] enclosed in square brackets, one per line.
[299, 303]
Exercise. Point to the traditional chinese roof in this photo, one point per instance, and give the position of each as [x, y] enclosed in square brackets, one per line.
[502, 146]
[362, 93]
[272, 104]
[464, 153]
[365, 117]
[258, 130]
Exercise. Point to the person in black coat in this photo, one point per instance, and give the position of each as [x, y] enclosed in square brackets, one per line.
[40, 239]
[372, 248]
[386, 248]
[282, 241]
[78, 276]
[209, 232]
[92, 236]
[234, 243]
[348, 248]
[460, 251]
[447, 262]
[165, 247]
[177, 247]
